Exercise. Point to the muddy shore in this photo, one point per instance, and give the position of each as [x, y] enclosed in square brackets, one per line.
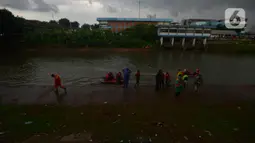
[109, 113]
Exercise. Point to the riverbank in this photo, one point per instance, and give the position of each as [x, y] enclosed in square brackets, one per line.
[228, 47]
[216, 114]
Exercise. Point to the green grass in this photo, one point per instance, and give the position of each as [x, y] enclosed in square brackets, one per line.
[137, 119]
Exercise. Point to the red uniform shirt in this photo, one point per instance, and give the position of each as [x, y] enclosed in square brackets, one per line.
[57, 80]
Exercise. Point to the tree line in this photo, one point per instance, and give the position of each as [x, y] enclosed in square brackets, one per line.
[19, 31]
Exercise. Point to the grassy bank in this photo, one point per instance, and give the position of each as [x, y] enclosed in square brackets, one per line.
[162, 120]
[242, 48]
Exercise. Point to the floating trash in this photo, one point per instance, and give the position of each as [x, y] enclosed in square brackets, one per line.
[119, 115]
[235, 129]
[121, 141]
[23, 114]
[239, 108]
[105, 102]
[199, 137]
[160, 124]
[186, 138]
[116, 121]
[156, 135]
[193, 126]
[209, 133]
[150, 140]
[82, 113]
[28, 122]
[91, 140]
[1, 133]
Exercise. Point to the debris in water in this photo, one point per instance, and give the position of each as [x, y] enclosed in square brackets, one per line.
[186, 138]
[141, 131]
[28, 122]
[116, 121]
[105, 102]
[175, 125]
[150, 140]
[199, 137]
[129, 141]
[23, 114]
[209, 133]
[239, 108]
[90, 140]
[235, 129]
[45, 105]
[156, 135]
[133, 113]
[119, 115]
[1, 133]
[160, 124]
[121, 141]
[82, 113]
[193, 126]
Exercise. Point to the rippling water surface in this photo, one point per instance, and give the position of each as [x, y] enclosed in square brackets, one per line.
[82, 68]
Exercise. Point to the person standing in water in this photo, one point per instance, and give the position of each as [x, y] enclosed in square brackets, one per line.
[167, 79]
[185, 80]
[127, 73]
[57, 82]
[137, 75]
[159, 79]
[178, 87]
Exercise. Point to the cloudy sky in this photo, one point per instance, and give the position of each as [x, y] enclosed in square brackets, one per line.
[86, 11]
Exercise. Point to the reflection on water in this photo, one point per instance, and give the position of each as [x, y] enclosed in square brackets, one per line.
[78, 69]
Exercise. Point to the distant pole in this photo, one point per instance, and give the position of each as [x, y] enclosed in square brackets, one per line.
[53, 16]
[139, 3]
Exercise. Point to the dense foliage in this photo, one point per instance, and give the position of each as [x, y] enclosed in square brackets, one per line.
[65, 33]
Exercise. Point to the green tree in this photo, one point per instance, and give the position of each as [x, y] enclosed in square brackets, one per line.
[75, 25]
[64, 22]
[85, 26]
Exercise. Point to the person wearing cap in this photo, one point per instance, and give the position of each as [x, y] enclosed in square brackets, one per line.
[57, 82]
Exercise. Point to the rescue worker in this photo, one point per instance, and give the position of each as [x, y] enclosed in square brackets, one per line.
[137, 75]
[178, 87]
[167, 79]
[179, 73]
[127, 73]
[185, 71]
[57, 82]
[197, 72]
[159, 77]
[109, 76]
[198, 81]
[119, 78]
[162, 83]
[185, 79]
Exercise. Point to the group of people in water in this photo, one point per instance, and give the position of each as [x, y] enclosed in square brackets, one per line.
[162, 79]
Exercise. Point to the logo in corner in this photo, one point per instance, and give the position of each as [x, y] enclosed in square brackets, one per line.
[235, 18]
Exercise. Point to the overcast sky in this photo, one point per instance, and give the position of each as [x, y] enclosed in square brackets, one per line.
[86, 11]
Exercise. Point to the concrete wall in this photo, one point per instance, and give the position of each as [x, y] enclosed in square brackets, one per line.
[118, 26]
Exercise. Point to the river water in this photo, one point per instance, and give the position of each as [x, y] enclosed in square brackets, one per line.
[24, 76]
[80, 68]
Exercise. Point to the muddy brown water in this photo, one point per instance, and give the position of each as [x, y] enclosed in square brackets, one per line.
[24, 76]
